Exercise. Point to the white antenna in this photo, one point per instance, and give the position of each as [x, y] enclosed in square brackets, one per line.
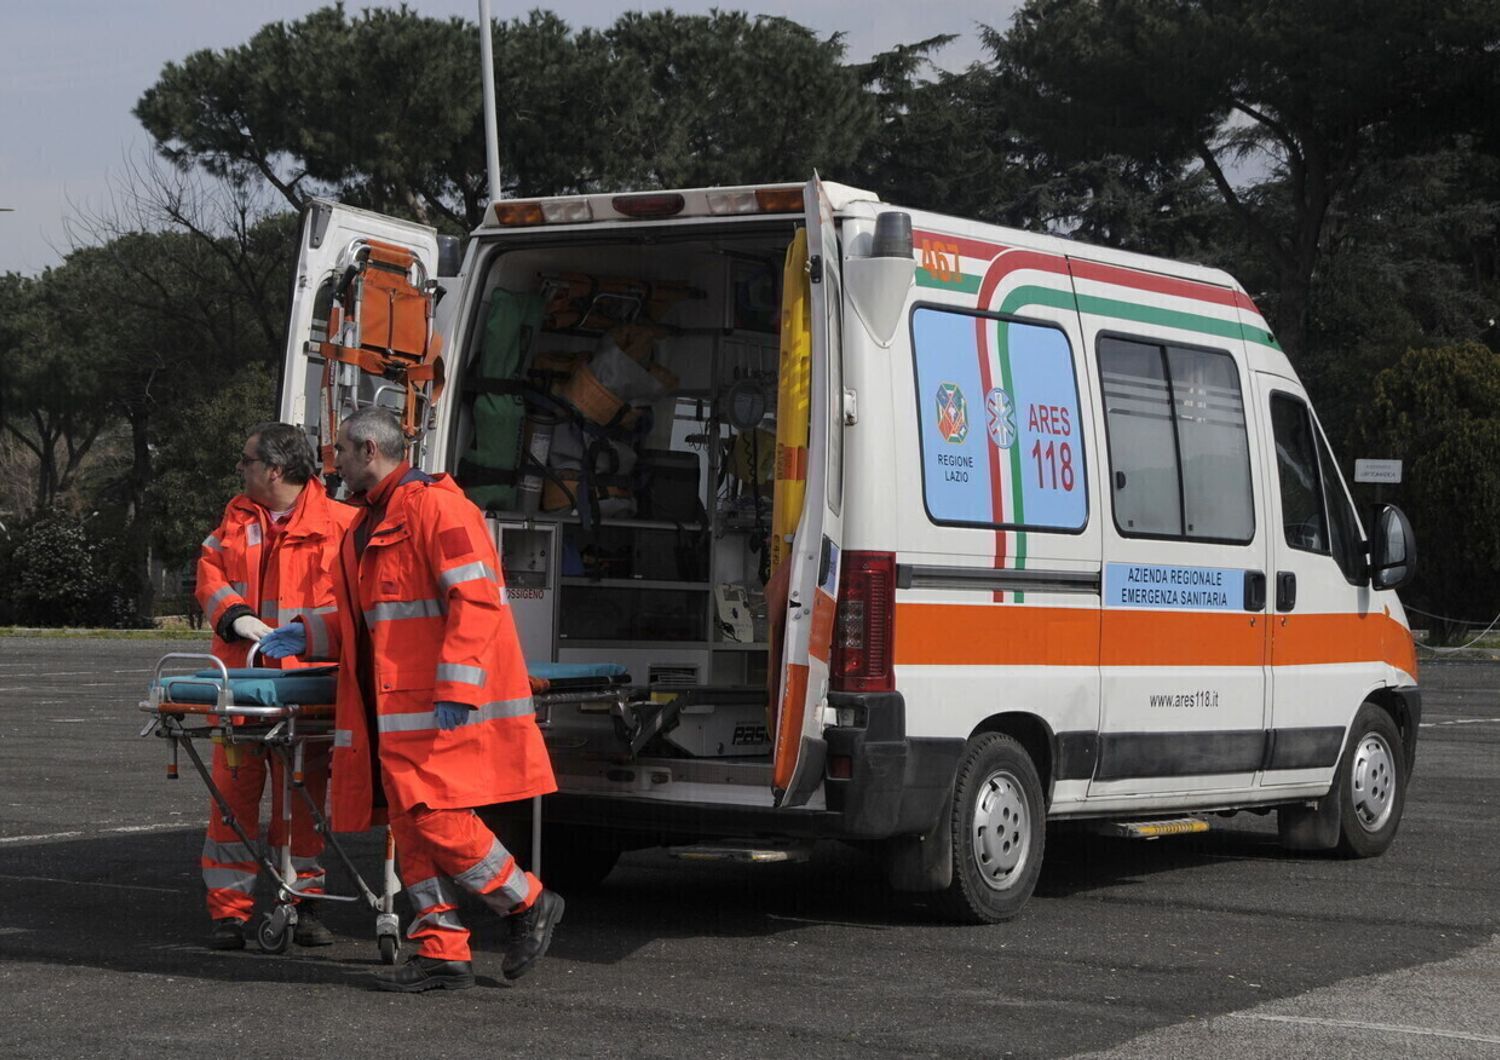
[487, 78]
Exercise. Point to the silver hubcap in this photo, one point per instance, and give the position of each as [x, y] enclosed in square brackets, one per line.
[1001, 832]
[1373, 782]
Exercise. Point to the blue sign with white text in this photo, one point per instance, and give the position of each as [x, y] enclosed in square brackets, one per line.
[1159, 587]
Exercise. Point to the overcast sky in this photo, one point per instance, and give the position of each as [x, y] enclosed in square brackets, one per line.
[71, 70]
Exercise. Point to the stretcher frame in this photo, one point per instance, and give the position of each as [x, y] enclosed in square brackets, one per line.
[284, 731]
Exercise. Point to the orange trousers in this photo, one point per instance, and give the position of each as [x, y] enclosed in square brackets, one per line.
[436, 846]
[229, 866]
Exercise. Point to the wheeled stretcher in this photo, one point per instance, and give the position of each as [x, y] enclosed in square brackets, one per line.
[283, 712]
[273, 712]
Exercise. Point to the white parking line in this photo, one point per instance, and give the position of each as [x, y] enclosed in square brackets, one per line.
[124, 829]
[1458, 721]
[1361, 1025]
[92, 883]
[38, 838]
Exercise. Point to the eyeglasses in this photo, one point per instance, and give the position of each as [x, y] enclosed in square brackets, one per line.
[246, 461]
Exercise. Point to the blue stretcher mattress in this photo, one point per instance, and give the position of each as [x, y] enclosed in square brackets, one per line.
[551, 671]
[265, 687]
[256, 686]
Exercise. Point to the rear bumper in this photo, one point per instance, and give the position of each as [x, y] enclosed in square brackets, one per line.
[896, 785]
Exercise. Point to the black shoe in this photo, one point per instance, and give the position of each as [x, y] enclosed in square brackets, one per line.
[531, 934]
[310, 931]
[228, 934]
[428, 973]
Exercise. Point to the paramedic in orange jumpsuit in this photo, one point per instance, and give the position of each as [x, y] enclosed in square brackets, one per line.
[270, 558]
[434, 706]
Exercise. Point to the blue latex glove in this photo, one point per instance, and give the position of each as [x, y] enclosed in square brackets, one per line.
[290, 639]
[451, 715]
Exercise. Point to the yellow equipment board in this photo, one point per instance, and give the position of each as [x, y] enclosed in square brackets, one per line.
[794, 384]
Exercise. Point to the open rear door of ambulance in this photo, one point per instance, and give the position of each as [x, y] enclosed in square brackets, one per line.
[375, 276]
[801, 752]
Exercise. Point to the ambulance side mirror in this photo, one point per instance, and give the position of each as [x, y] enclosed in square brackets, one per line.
[1393, 549]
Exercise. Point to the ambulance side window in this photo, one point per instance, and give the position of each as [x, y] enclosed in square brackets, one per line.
[1345, 538]
[1303, 523]
[1179, 447]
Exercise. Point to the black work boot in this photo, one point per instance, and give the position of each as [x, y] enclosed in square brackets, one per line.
[531, 934]
[310, 931]
[228, 934]
[428, 973]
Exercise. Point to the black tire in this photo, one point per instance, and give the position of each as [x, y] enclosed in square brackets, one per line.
[390, 948]
[1371, 784]
[998, 828]
[271, 940]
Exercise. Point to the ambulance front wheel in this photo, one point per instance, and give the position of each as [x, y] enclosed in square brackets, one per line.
[997, 823]
[1371, 784]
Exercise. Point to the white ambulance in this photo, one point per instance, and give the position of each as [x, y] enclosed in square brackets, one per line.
[1071, 544]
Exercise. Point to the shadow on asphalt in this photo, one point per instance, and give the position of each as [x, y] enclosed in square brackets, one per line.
[1079, 861]
[134, 903]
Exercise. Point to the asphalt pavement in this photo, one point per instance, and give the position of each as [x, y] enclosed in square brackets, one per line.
[1216, 945]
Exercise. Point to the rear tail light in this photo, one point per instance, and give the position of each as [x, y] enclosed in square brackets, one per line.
[864, 625]
[649, 206]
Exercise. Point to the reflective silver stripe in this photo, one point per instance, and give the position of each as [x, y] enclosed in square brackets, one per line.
[229, 880]
[252, 534]
[446, 920]
[469, 675]
[393, 609]
[307, 866]
[227, 853]
[239, 587]
[422, 720]
[485, 870]
[268, 609]
[467, 573]
[283, 615]
[318, 643]
[343, 737]
[434, 890]
[214, 543]
[221, 594]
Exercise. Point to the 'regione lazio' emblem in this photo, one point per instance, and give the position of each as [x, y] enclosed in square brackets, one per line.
[1000, 411]
[953, 413]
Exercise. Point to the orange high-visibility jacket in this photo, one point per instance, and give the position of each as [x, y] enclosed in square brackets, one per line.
[298, 575]
[430, 596]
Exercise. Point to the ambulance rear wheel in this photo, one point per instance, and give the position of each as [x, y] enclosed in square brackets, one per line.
[997, 822]
[1371, 784]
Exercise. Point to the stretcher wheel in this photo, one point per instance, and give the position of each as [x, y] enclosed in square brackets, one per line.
[390, 948]
[274, 934]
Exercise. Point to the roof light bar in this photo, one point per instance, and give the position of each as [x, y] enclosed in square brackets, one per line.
[568, 212]
[729, 203]
[651, 205]
[519, 213]
[779, 200]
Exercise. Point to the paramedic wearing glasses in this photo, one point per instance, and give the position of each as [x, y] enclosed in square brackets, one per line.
[270, 558]
[434, 705]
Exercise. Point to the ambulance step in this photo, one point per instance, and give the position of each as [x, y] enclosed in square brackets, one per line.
[760, 855]
[1153, 829]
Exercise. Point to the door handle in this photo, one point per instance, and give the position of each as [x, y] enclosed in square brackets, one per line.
[1286, 590]
[1255, 590]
